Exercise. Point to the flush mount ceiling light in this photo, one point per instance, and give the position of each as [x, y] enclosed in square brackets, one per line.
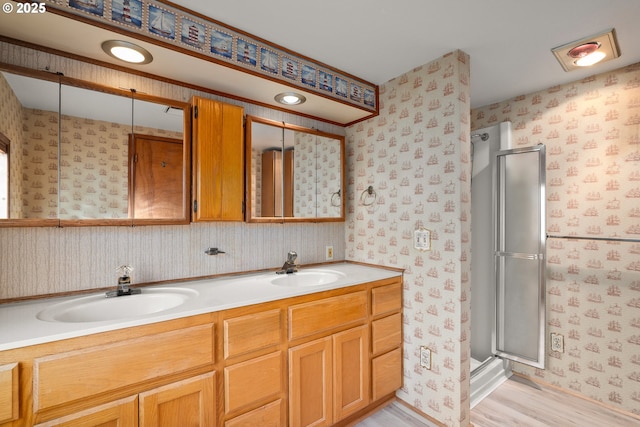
[588, 51]
[127, 52]
[290, 98]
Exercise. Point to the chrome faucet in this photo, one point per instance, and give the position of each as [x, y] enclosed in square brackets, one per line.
[289, 265]
[124, 281]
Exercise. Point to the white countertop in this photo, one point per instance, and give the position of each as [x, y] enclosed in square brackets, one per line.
[20, 326]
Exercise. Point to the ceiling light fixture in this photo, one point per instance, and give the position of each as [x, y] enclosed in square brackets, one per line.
[588, 51]
[290, 98]
[126, 51]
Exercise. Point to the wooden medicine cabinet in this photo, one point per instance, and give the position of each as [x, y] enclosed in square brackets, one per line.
[293, 174]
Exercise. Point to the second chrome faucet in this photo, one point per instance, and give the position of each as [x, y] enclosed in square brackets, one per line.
[124, 281]
[289, 265]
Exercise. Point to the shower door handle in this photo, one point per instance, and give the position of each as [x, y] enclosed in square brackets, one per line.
[518, 255]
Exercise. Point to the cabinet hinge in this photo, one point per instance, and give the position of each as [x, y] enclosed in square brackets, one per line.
[195, 112]
[195, 206]
[135, 158]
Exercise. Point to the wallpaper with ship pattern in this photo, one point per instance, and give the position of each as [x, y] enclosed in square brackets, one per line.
[415, 155]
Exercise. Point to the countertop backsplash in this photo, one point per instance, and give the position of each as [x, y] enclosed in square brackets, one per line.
[41, 261]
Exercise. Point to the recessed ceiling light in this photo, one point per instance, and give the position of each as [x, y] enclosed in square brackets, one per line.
[290, 98]
[588, 51]
[126, 51]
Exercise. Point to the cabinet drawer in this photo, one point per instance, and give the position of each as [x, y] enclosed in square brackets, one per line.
[83, 373]
[386, 333]
[9, 387]
[386, 373]
[326, 314]
[270, 415]
[385, 299]
[252, 381]
[252, 332]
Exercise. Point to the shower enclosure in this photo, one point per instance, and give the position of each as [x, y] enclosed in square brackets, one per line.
[508, 265]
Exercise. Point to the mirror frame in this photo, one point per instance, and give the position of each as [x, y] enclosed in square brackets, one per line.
[248, 172]
[131, 93]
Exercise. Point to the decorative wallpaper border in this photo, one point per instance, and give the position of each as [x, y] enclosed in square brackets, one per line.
[223, 45]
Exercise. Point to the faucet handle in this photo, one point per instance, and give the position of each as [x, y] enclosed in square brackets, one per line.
[125, 270]
[291, 257]
[124, 277]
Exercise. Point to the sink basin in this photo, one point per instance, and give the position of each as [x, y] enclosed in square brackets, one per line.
[315, 277]
[96, 308]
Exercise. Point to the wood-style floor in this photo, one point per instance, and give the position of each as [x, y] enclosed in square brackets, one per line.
[517, 403]
[520, 402]
[395, 415]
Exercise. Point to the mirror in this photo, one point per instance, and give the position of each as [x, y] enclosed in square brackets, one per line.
[293, 173]
[29, 109]
[122, 158]
[159, 160]
[94, 129]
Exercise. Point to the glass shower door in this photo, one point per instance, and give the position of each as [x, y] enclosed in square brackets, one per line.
[519, 255]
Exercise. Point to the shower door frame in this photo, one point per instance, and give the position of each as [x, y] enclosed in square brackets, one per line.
[501, 257]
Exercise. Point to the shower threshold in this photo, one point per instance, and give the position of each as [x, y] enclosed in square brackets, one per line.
[487, 376]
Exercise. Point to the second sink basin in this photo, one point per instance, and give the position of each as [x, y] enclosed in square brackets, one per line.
[311, 277]
[96, 308]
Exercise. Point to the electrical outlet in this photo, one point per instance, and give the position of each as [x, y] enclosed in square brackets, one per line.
[557, 343]
[425, 357]
[328, 253]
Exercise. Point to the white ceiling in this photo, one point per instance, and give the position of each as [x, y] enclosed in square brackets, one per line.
[509, 41]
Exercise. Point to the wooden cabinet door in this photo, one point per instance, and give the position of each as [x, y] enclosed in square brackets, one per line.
[187, 403]
[310, 384]
[9, 392]
[121, 413]
[218, 161]
[351, 372]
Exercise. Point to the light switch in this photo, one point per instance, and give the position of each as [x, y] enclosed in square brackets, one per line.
[422, 239]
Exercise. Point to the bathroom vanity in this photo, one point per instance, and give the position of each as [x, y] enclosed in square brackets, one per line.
[317, 347]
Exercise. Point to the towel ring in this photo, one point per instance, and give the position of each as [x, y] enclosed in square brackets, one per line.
[368, 196]
[336, 199]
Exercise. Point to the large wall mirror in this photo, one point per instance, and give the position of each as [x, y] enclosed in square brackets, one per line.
[82, 154]
[293, 173]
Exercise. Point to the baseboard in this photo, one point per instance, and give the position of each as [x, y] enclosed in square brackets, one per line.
[408, 407]
[539, 382]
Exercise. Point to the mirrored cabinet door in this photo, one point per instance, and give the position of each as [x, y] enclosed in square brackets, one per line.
[158, 163]
[329, 177]
[28, 149]
[266, 168]
[94, 133]
[303, 147]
